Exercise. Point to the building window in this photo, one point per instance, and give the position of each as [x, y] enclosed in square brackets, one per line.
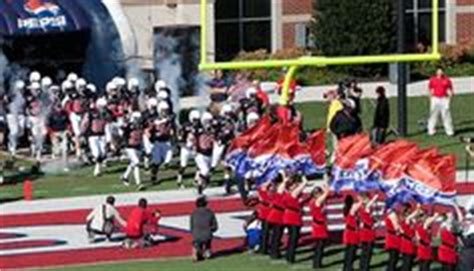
[418, 22]
[242, 25]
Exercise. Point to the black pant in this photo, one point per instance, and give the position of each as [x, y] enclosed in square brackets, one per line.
[349, 257]
[407, 262]
[277, 232]
[392, 260]
[379, 135]
[318, 254]
[448, 267]
[366, 256]
[265, 238]
[424, 265]
[292, 243]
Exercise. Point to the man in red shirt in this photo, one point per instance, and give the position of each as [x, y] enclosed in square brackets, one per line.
[441, 91]
[138, 235]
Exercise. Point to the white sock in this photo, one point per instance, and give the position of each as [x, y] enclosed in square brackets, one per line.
[127, 172]
[136, 174]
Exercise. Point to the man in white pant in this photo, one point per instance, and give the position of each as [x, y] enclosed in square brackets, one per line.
[441, 90]
[94, 124]
[133, 132]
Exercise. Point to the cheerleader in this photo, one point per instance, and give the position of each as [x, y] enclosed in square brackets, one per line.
[350, 236]
[392, 239]
[447, 254]
[275, 216]
[408, 247]
[423, 235]
[293, 216]
[264, 197]
[319, 224]
[367, 231]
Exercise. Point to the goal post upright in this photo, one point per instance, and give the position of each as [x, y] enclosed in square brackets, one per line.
[316, 61]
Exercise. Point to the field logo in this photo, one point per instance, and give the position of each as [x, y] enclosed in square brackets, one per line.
[43, 15]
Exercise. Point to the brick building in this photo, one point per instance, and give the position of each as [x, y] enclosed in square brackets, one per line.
[237, 25]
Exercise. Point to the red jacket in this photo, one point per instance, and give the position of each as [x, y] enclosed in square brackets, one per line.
[319, 224]
[275, 216]
[408, 239]
[447, 250]
[350, 235]
[367, 232]
[392, 241]
[264, 204]
[424, 250]
[293, 214]
[137, 220]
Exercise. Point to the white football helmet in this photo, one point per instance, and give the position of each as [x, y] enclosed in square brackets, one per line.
[91, 87]
[133, 83]
[206, 118]
[226, 109]
[19, 85]
[119, 81]
[162, 95]
[72, 77]
[101, 103]
[35, 86]
[252, 118]
[135, 116]
[194, 115]
[160, 84]
[66, 85]
[111, 86]
[81, 83]
[152, 103]
[251, 92]
[35, 76]
[163, 106]
[46, 82]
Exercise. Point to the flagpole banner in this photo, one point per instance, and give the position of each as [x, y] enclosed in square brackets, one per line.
[265, 149]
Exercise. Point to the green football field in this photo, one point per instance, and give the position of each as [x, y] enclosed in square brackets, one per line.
[81, 182]
[333, 260]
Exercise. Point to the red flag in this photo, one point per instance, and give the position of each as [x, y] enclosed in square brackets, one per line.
[351, 149]
[316, 143]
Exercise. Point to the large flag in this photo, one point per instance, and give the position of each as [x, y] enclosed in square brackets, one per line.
[262, 153]
[430, 180]
[351, 168]
[239, 146]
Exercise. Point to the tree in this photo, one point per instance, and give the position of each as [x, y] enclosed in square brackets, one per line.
[354, 27]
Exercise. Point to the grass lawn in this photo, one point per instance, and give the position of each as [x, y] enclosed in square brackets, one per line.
[332, 260]
[81, 181]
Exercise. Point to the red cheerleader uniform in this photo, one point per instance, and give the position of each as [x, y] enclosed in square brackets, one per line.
[447, 250]
[424, 251]
[367, 232]
[319, 225]
[293, 214]
[350, 235]
[392, 241]
[264, 204]
[275, 216]
[407, 245]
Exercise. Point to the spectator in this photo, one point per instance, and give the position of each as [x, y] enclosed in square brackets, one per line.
[381, 117]
[101, 221]
[346, 122]
[140, 217]
[218, 90]
[203, 225]
[261, 94]
[441, 91]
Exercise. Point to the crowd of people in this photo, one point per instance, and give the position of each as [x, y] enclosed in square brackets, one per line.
[409, 228]
[123, 120]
